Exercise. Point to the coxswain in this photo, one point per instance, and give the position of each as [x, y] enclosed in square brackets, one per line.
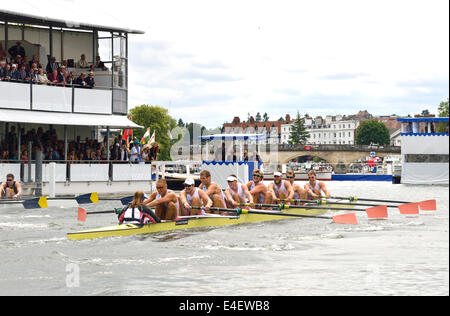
[314, 187]
[258, 189]
[193, 197]
[212, 189]
[280, 189]
[164, 201]
[137, 213]
[299, 191]
[10, 188]
[237, 193]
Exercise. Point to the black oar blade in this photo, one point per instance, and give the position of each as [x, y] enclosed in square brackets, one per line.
[40, 202]
[87, 198]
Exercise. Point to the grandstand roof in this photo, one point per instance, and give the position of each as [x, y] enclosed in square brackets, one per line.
[23, 18]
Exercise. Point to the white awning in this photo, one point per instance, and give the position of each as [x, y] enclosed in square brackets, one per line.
[59, 118]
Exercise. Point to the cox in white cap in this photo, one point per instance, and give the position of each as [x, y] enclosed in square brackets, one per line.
[189, 181]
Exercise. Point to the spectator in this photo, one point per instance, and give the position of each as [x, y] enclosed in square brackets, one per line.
[82, 63]
[16, 50]
[43, 76]
[81, 80]
[34, 60]
[52, 65]
[53, 77]
[99, 64]
[90, 80]
[13, 75]
[23, 74]
[154, 151]
[34, 75]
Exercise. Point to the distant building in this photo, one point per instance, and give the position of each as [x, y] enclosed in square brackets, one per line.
[272, 129]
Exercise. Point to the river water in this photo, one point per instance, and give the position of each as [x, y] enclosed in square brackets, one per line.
[402, 255]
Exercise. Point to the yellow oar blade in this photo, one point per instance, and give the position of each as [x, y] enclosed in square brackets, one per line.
[40, 202]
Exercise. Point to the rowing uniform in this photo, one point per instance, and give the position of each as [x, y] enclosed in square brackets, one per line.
[262, 197]
[177, 204]
[282, 188]
[13, 187]
[316, 188]
[240, 192]
[222, 196]
[137, 215]
[190, 197]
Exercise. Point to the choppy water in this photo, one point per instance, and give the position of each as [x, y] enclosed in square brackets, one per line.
[398, 256]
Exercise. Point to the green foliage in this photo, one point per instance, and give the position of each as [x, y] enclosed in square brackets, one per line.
[443, 109]
[372, 131]
[299, 134]
[159, 120]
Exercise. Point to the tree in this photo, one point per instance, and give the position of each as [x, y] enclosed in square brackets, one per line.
[299, 134]
[258, 117]
[443, 109]
[180, 123]
[372, 131]
[159, 121]
[443, 112]
[265, 117]
[425, 113]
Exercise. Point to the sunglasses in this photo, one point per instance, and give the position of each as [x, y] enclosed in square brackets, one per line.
[9, 179]
[290, 177]
[159, 188]
[257, 175]
[188, 185]
[312, 177]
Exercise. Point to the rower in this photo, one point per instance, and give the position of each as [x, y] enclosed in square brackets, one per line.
[299, 192]
[164, 201]
[237, 193]
[279, 188]
[258, 189]
[314, 187]
[10, 188]
[212, 189]
[193, 197]
[137, 213]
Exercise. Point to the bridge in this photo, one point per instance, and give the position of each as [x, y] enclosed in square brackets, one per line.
[333, 154]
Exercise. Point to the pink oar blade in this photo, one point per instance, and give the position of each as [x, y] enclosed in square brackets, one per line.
[349, 218]
[409, 208]
[82, 214]
[377, 212]
[429, 205]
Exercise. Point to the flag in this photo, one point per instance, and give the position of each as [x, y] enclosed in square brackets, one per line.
[145, 139]
[152, 139]
[126, 134]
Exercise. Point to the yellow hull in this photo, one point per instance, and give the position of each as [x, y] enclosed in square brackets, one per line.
[190, 223]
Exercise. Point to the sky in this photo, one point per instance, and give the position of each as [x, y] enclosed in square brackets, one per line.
[209, 61]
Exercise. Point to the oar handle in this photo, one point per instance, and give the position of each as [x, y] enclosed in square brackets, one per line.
[324, 202]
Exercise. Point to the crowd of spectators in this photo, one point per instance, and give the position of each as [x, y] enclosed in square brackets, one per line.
[87, 151]
[16, 66]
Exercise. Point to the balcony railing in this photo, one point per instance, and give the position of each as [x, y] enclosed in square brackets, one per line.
[70, 99]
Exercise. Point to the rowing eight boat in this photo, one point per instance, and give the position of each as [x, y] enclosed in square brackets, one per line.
[185, 222]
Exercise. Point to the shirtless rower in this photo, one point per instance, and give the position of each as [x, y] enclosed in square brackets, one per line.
[192, 196]
[299, 191]
[258, 189]
[237, 193]
[279, 188]
[164, 201]
[314, 187]
[212, 189]
[10, 188]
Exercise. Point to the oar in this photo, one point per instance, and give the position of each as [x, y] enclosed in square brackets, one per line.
[323, 202]
[354, 199]
[372, 212]
[82, 213]
[39, 202]
[349, 218]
